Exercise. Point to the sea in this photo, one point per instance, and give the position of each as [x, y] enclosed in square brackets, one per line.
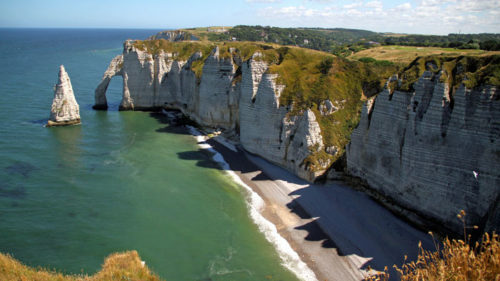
[70, 196]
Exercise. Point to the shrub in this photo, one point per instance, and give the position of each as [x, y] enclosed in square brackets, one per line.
[117, 266]
[456, 259]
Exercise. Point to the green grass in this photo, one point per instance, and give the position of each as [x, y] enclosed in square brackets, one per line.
[184, 49]
[406, 54]
[312, 77]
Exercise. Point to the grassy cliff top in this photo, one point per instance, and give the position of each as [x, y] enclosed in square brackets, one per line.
[311, 77]
[472, 71]
[183, 50]
[406, 54]
[117, 266]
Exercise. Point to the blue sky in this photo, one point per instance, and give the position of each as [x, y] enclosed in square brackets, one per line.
[406, 16]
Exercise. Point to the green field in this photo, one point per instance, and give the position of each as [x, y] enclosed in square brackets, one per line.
[406, 54]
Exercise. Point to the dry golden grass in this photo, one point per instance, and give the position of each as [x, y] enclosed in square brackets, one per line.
[406, 54]
[117, 266]
[455, 259]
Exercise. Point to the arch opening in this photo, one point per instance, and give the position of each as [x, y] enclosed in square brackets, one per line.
[110, 86]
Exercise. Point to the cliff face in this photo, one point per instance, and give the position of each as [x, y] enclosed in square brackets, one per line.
[432, 152]
[267, 129]
[65, 109]
[232, 93]
[430, 142]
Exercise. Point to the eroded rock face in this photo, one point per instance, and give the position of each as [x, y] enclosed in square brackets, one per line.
[433, 154]
[268, 130]
[246, 101]
[65, 109]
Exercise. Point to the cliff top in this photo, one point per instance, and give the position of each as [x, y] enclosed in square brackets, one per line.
[469, 70]
[211, 33]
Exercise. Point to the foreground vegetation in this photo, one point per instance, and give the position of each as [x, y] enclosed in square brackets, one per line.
[119, 266]
[453, 259]
[457, 260]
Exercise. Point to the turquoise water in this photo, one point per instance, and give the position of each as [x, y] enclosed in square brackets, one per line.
[70, 196]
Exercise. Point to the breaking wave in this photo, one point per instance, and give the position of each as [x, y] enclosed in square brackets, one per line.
[290, 259]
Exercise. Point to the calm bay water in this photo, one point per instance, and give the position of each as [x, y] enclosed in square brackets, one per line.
[122, 180]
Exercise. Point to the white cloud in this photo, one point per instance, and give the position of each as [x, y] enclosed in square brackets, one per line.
[425, 17]
[403, 7]
[374, 4]
[353, 5]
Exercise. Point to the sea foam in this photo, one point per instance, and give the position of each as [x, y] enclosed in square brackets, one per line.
[290, 259]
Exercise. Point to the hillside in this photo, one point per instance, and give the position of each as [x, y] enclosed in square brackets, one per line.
[336, 40]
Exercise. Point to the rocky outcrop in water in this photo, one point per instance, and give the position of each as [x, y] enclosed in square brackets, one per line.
[432, 152]
[231, 94]
[65, 109]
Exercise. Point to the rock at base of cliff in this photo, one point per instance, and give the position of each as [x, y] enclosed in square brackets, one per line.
[63, 123]
[65, 110]
[100, 107]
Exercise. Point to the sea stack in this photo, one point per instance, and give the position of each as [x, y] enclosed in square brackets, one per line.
[65, 109]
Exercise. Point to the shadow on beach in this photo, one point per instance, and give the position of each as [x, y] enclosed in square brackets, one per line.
[344, 219]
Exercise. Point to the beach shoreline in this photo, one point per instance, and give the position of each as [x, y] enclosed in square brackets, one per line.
[338, 233]
[308, 244]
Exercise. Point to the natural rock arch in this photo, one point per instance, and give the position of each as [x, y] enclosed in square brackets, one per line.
[114, 69]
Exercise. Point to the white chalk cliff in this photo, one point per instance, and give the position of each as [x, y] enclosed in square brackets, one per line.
[418, 149]
[219, 99]
[65, 109]
[431, 156]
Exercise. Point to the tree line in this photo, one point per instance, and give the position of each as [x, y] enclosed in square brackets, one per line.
[337, 39]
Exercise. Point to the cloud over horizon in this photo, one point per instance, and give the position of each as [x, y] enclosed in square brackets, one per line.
[425, 16]
[400, 16]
